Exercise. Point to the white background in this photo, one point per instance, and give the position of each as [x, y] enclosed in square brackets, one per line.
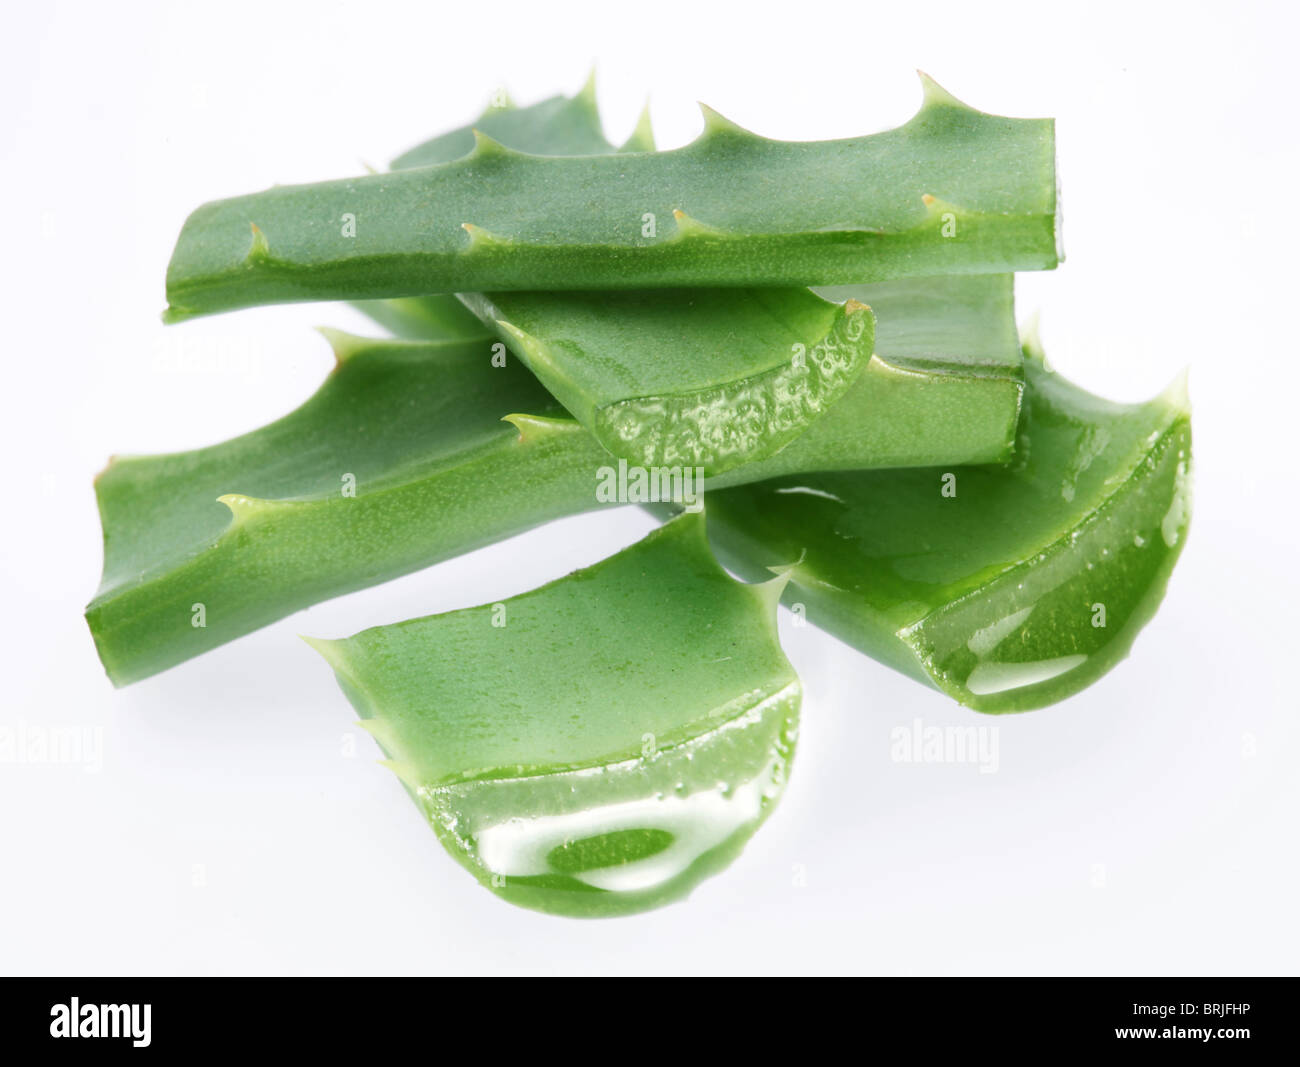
[1128, 830]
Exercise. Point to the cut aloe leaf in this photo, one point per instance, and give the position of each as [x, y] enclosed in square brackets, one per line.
[399, 460]
[707, 378]
[403, 451]
[1006, 588]
[951, 191]
[600, 745]
[944, 384]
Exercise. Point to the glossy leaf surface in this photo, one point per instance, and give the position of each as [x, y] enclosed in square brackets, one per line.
[1006, 588]
[597, 746]
[399, 460]
[951, 191]
[708, 378]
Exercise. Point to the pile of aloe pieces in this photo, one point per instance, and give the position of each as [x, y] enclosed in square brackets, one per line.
[573, 325]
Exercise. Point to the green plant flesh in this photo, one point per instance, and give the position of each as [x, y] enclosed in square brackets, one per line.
[707, 378]
[1006, 588]
[403, 450]
[951, 191]
[598, 776]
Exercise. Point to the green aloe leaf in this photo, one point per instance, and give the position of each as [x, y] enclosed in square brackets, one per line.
[403, 451]
[600, 745]
[697, 377]
[1006, 588]
[951, 191]
[399, 460]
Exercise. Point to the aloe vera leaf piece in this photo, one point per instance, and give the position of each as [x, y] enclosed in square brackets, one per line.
[201, 547]
[953, 190]
[1021, 589]
[595, 747]
[709, 378]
